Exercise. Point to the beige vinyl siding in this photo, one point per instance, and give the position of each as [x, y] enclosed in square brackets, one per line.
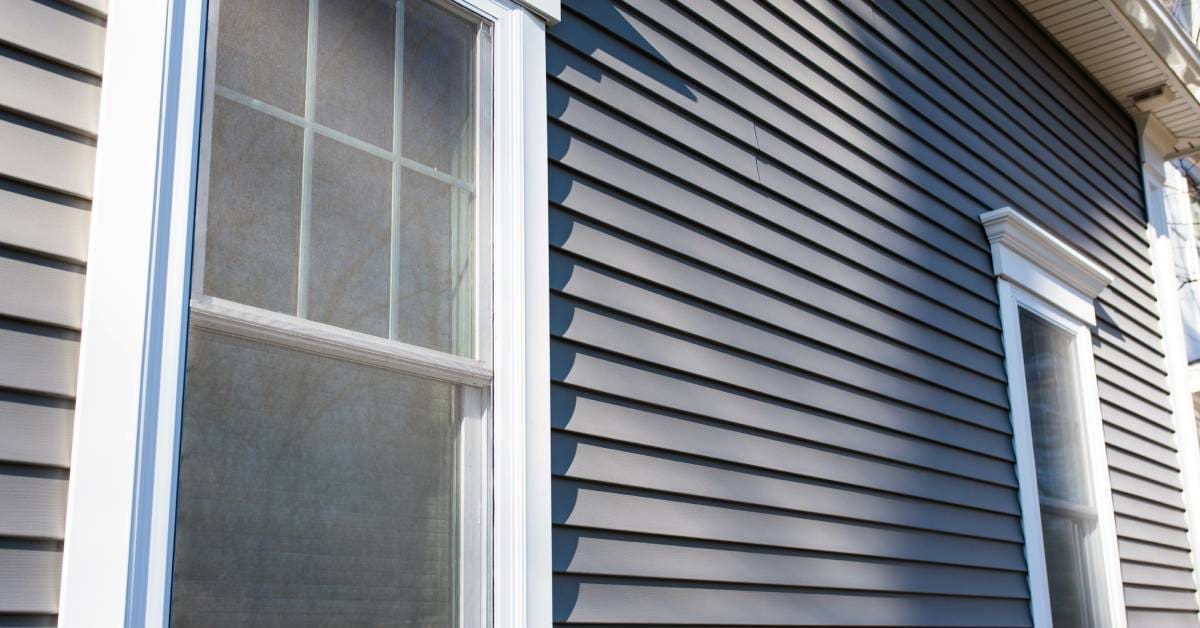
[50, 63]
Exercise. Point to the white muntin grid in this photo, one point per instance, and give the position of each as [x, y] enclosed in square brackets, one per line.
[469, 238]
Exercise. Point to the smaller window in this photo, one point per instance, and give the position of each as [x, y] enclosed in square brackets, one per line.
[1046, 291]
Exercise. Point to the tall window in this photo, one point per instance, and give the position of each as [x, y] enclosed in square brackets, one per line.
[1060, 456]
[1046, 291]
[338, 358]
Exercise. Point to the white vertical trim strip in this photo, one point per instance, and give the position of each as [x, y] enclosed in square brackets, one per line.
[538, 568]
[210, 18]
[130, 355]
[1156, 174]
[521, 548]
[1031, 515]
[397, 120]
[306, 168]
[508, 560]
[473, 482]
[154, 497]
[486, 202]
[1099, 475]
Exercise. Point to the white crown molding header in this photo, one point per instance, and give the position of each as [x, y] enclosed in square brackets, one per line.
[1031, 257]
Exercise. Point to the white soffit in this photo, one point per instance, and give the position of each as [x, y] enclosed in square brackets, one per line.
[1132, 47]
[1032, 258]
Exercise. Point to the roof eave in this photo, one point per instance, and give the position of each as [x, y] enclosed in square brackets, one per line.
[1163, 57]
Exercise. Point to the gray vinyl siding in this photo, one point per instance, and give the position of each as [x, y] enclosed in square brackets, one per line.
[778, 390]
[50, 63]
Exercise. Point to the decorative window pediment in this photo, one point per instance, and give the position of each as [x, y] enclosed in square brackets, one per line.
[1031, 257]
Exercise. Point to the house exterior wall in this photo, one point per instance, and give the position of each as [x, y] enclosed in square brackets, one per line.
[778, 385]
[50, 65]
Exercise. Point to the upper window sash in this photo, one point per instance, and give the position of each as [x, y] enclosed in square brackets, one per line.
[463, 167]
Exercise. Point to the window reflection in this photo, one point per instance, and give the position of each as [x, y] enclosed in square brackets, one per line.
[1056, 421]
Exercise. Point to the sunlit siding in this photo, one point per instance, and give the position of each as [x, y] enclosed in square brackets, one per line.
[50, 62]
[778, 382]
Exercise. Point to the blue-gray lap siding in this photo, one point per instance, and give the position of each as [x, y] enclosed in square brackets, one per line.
[778, 383]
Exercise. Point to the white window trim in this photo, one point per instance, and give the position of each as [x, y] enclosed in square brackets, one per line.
[121, 495]
[1040, 273]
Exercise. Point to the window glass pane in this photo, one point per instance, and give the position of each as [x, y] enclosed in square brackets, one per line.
[261, 50]
[349, 238]
[439, 85]
[356, 57]
[1066, 547]
[436, 279]
[312, 492]
[1054, 413]
[1056, 421]
[252, 229]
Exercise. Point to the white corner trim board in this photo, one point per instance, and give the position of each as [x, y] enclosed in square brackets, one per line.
[521, 535]
[1164, 184]
[1031, 257]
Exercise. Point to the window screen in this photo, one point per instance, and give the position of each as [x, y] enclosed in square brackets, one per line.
[340, 187]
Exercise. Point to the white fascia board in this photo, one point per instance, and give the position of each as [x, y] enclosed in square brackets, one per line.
[1031, 257]
[1167, 39]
